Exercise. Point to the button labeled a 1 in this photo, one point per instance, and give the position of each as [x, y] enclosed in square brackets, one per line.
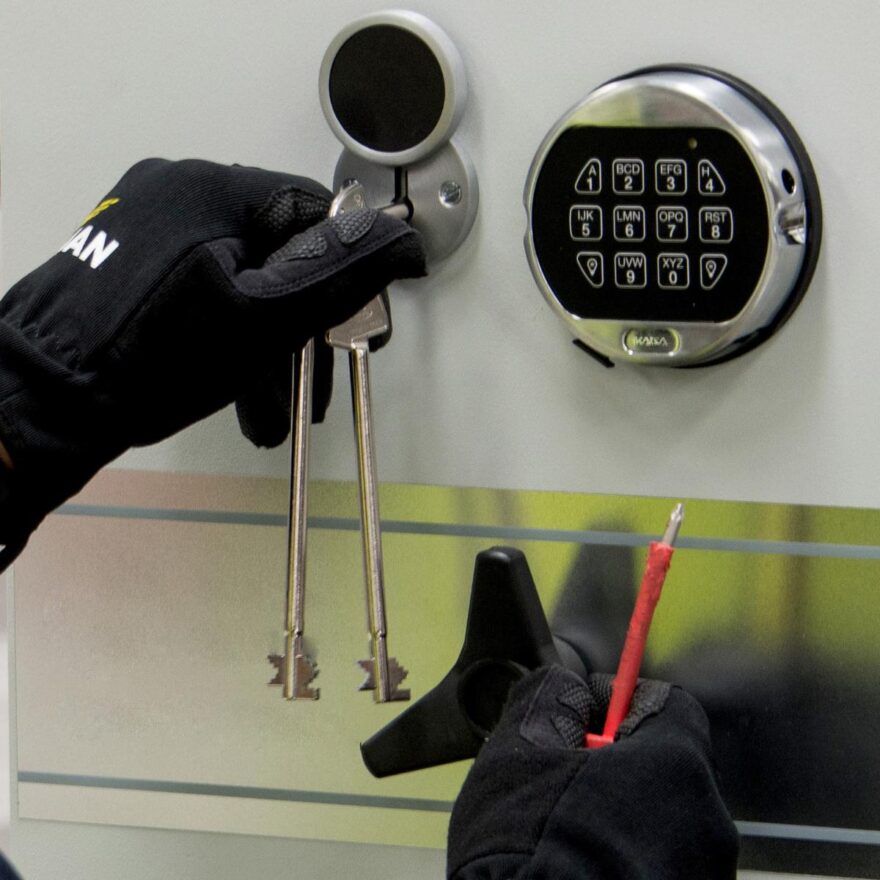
[590, 178]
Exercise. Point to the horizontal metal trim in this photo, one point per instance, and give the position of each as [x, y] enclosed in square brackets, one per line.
[459, 530]
[812, 833]
[238, 791]
[778, 831]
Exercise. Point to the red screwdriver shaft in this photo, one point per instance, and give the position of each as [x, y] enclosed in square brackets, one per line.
[624, 684]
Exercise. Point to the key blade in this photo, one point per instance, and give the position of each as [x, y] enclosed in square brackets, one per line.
[351, 197]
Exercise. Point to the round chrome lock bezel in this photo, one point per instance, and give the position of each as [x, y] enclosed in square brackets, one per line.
[454, 81]
[682, 97]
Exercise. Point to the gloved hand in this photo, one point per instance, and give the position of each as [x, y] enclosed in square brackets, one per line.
[537, 805]
[187, 288]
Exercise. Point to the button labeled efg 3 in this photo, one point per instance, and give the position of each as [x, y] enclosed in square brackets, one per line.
[670, 176]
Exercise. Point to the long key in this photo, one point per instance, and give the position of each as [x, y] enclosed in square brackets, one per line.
[384, 674]
[295, 669]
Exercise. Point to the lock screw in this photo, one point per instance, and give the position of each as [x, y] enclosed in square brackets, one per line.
[450, 193]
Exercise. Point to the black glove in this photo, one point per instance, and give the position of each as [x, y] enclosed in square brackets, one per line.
[537, 805]
[187, 288]
[7, 872]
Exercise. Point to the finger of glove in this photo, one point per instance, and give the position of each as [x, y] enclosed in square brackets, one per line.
[523, 769]
[212, 196]
[289, 210]
[322, 276]
[648, 699]
[264, 411]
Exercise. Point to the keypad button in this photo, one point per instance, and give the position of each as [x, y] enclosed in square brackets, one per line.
[673, 271]
[716, 225]
[712, 267]
[585, 222]
[709, 179]
[592, 265]
[672, 223]
[670, 176]
[590, 178]
[630, 270]
[628, 177]
[629, 223]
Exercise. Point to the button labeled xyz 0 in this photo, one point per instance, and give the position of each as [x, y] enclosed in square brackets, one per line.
[673, 271]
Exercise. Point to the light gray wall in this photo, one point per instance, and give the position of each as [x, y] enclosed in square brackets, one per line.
[482, 385]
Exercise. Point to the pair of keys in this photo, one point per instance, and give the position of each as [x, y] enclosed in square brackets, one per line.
[295, 669]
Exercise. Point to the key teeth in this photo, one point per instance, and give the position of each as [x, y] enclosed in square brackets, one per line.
[396, 675]
[305, 672]
[278, 662]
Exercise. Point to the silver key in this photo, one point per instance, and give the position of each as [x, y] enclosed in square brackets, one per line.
[383, 673]
[295, 669]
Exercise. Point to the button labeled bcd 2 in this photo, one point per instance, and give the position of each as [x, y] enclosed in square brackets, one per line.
[628, 177]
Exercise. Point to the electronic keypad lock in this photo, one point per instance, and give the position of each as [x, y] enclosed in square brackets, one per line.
[674, 218]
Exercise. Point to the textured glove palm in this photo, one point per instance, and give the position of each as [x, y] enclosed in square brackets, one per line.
[187, 288]
[538, 806]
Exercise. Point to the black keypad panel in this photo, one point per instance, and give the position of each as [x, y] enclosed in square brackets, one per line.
[655, 224]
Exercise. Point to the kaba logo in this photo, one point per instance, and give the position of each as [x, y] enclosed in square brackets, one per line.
[93, 250]
[652, 341]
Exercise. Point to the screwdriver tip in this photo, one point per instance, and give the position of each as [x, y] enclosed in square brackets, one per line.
[673, 526]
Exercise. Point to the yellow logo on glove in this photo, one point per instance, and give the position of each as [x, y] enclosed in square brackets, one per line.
[107, 203]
